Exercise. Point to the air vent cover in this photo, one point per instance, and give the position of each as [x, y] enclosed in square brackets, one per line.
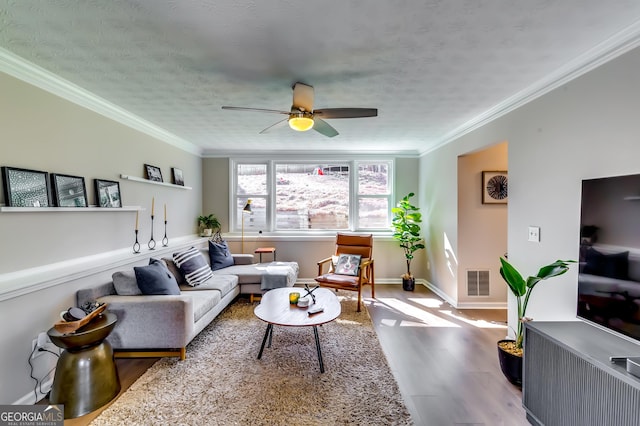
[478, 283]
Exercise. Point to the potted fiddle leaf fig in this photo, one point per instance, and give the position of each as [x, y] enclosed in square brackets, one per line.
[510, 351]
[208, 224]
[405, 222]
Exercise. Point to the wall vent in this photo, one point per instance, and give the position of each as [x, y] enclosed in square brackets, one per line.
[478, 283]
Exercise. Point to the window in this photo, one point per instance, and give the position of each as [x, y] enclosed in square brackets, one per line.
[296, 196]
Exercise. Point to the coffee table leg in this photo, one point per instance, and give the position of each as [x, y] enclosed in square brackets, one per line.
[315, 332]
[267, 334]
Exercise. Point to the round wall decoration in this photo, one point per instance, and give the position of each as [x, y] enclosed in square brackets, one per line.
[495, 187]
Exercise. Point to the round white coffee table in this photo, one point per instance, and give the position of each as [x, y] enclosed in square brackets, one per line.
[275, 309]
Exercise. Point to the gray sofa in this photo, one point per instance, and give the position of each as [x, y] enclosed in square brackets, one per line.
[163, 325]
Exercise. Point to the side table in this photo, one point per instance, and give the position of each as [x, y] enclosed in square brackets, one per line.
[86, 376]
[262, 250]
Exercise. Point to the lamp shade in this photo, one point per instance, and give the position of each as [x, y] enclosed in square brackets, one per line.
[301, 124]
[247, 207]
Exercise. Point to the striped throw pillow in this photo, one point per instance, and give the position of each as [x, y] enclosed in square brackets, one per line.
[193, 266]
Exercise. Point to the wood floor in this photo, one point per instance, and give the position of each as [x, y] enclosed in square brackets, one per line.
[445, 361]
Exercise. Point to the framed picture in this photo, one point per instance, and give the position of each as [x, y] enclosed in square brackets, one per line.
[495, 189]
[25, 188]
[107, 193]
[177, 176]
[348, 264]
[69, 191]
[153, 173]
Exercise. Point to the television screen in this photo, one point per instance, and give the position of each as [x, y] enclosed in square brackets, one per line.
[609, 271]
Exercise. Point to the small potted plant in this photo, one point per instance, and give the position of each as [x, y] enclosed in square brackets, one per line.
[406, 218]
[510, 351]
[208, 224]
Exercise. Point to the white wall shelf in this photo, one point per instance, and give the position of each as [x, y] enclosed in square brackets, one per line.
[5, 209]
[137, 179]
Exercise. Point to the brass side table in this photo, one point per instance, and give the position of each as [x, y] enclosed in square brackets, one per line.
[86, 376]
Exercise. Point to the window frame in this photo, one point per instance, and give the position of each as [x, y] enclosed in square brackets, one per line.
[354, 196]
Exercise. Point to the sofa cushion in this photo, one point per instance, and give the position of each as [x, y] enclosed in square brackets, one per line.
[223, 283]
[220, 255]
[156, 278]
[171, 265]
[193, 266]
[125, 283]
[203, 302]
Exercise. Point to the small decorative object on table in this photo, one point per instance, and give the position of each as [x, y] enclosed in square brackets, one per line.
[67, 327]
[294, 297]
[152, 243]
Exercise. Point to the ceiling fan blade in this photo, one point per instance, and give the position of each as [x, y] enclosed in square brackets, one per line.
[323, 127]
[255, 109]
[346, 112]
[302, 97]
[279, 124]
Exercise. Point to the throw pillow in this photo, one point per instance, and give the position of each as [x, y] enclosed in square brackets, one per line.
[348, 264]
[125, 283]
[614, 265]
[220, 255]
[193, 266]
[156, 278]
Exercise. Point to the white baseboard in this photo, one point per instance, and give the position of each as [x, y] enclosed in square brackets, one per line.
[30, 398]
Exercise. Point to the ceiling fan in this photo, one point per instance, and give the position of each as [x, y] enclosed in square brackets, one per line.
[303, 117]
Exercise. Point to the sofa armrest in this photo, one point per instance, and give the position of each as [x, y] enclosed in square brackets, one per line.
[139, 318]
[243, 259]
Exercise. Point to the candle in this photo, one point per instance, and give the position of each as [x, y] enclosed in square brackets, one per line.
[153, 204]
[137, 211]
[165, 212]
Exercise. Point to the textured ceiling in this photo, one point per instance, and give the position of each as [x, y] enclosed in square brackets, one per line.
[432, 68]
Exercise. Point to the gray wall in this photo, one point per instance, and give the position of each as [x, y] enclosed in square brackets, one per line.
[586, 128]
[44, 132]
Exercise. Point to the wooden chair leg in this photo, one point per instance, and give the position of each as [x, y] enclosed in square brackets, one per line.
[359, 297]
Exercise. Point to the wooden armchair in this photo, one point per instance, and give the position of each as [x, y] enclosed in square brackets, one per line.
[349, 244]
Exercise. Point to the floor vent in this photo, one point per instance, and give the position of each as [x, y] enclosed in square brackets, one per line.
[478, 283]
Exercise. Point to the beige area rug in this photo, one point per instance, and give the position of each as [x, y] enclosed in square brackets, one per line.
[223, 383]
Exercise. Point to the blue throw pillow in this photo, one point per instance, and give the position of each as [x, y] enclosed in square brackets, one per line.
[193, 266]
[220, 255]
[156, 278]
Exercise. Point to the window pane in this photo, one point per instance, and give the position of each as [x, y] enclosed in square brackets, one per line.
[373, 179]
[312, 196]
[373, 213]
[256, 220]
[252, 179]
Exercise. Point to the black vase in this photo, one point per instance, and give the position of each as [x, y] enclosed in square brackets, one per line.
[408, 284]
[510, 364]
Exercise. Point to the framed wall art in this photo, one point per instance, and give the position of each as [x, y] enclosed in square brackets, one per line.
[69, 191]
[153, 173]
[495, 187]
[107, 193]
[25, 188]
[178, 179]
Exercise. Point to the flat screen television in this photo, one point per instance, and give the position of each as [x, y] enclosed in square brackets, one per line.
[609, 270]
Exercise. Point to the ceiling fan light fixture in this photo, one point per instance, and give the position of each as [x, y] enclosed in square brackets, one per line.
[300, 121]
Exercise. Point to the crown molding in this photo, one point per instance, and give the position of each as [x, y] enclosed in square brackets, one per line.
[616, 45]
[28, 72]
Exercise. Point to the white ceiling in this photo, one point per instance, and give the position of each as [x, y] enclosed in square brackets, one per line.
[433, 68]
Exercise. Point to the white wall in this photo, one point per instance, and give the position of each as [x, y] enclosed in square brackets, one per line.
[44, 132]
[586, 128]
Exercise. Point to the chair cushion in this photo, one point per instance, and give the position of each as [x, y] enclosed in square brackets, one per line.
[348, 264]
[193, 266]
[344, 280]
[156, 278]
[220, 255]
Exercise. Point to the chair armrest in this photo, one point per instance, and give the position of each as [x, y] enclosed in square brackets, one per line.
[321, 264]
[139, 318]
[243, 259]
